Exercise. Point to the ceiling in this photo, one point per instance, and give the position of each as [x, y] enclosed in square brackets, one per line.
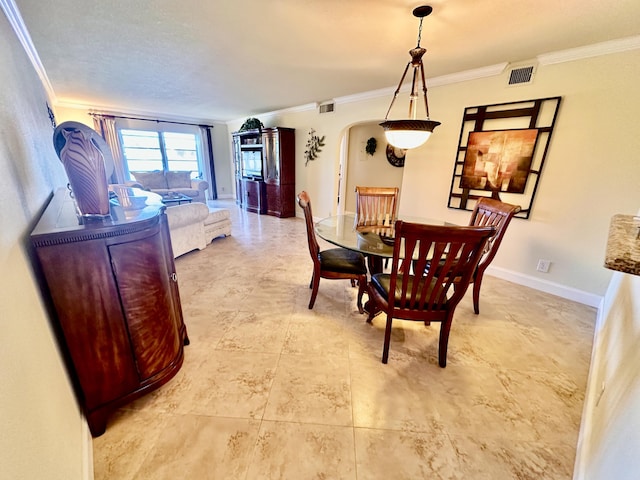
[228, 59]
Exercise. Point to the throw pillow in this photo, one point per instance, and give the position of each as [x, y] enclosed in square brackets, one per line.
[179, 179]
[151, 180]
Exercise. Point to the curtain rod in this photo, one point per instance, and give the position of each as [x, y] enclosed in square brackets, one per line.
[150, 120]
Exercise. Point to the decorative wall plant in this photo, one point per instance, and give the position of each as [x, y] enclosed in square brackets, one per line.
[372, 144]
[313, 146]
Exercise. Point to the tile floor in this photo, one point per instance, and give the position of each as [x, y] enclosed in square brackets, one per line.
[272, 390]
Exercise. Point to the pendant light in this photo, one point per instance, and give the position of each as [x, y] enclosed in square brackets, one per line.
[411, 132]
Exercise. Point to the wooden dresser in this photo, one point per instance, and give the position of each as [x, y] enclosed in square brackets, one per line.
[112, 292]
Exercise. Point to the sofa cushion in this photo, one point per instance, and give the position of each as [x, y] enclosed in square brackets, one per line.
[217, 215]
[151, 180]
[178, 179]
[186, 214]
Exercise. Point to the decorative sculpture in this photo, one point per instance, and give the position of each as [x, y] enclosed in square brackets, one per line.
[84, 163]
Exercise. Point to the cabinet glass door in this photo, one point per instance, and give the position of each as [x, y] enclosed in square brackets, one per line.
[271, 160]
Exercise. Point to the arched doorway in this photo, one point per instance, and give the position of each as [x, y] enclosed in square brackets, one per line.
[357, 167]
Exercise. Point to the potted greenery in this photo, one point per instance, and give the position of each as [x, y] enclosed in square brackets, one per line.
[251, 124]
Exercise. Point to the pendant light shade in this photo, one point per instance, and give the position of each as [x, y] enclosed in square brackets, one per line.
[412, 132]
[408, 133]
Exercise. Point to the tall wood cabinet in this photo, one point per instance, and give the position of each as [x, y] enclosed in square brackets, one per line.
[113, 295]
[265, 170]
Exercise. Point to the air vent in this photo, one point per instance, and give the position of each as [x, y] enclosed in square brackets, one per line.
[521, 75]
[326, 107]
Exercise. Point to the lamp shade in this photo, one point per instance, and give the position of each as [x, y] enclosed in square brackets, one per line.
[408, 134]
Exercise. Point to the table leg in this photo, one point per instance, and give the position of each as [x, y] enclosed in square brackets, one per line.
[374, 263]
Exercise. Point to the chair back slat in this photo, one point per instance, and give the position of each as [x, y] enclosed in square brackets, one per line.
[376, 206]
[422, 290]
[489, 211]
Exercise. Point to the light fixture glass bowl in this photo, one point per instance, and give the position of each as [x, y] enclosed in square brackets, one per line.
[408, 134]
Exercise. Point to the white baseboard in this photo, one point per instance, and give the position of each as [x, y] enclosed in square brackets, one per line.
[592, 394]
[87, 451]
[226, 196]
[563, 291]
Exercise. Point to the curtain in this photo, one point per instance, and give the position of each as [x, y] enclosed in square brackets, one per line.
[105, 125]
[205, 131]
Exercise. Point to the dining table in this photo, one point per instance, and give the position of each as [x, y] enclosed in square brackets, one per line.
[375, 241]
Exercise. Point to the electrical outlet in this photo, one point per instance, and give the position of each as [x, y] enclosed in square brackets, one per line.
[543, 265]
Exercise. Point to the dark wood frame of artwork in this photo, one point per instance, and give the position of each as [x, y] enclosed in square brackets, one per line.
[539, 114]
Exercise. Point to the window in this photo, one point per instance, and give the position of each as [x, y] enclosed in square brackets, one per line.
[146, 150]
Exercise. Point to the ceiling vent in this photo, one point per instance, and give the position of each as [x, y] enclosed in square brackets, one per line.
[326, 107]
[521, 75]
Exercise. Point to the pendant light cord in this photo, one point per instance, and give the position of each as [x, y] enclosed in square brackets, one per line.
[419, 33]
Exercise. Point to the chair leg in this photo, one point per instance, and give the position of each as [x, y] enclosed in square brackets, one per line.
[445, 328]
[387, 339]
[362, 284]
[371, 308]
[476, 294]
[315, 284]
[311, 282]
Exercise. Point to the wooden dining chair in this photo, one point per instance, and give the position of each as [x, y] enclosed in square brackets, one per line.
[424, 294]
[376, 209]
[489, 211]
[333, 263]
[376, 206]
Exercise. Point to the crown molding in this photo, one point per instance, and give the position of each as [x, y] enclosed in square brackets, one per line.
[595, 50]
[297, 109]
[359, 97]
[17, 23]
[458, 77]
[464, 76]
[475, 74]
[115, 110]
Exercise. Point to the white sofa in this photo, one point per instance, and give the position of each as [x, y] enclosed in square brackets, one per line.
[164, 182]
[194, 225]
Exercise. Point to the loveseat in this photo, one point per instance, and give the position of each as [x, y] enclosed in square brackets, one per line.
[161, 182]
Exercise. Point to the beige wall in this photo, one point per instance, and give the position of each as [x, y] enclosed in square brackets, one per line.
[42, 431]
[609, 437]
[590, 174]
[591, 171]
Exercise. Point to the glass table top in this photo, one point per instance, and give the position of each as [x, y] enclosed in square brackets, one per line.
[341, 230]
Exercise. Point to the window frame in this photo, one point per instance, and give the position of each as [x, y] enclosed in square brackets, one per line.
[161, 128]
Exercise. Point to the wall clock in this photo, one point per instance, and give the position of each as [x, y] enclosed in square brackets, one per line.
[395, 156]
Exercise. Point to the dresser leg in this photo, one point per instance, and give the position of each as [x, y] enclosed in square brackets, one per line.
[97, 422]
